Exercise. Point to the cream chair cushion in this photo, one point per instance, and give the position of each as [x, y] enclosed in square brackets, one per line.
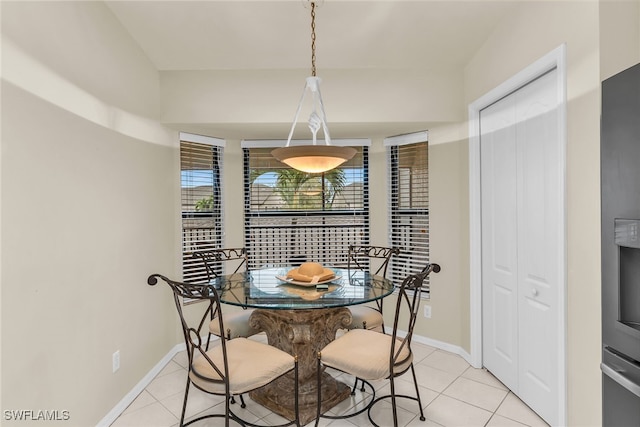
[364, 354]
[251, 365]
[362, 315]
[236, 324]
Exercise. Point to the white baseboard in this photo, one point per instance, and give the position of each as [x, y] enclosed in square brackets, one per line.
[455, 349]
[441, 345]
[139, 388]
[146, 380]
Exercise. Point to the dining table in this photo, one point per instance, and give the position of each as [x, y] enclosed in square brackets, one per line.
[300, 318]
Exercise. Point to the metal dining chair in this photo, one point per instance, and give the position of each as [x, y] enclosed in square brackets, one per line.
[372, 356]
[234, 366]
[360, 258]
[236, 322]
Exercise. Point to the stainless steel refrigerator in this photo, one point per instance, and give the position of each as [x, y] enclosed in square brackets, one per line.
[620, 195]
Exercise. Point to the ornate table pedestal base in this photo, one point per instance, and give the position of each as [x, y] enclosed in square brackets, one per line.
[302, 333]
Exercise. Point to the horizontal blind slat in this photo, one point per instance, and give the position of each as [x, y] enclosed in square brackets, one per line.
[201, 200]
[408, 208]
[293, 217]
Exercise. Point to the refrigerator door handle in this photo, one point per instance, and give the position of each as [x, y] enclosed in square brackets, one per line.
[620, 379]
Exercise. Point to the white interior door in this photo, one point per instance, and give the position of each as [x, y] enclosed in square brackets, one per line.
[498, 162]
[520, 152]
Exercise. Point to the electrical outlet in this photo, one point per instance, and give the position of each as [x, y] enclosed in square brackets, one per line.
[115, 360]
[427, 311]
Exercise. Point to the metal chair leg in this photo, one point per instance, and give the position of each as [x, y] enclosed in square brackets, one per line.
[415, 383]
[355, 386]
[319, 387]
[184, 404]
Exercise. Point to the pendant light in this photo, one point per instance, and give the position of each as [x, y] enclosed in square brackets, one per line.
[313, 158]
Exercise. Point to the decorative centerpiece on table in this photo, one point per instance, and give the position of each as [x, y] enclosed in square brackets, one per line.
[309, 274]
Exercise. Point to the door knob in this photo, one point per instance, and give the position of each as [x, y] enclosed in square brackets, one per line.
[534, 292]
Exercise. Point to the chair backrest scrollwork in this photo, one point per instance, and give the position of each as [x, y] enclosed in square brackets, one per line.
[213, 259]
[192, 327]
[360, 256]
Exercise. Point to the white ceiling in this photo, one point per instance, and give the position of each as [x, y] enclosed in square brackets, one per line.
[202, 35]
[266, 34]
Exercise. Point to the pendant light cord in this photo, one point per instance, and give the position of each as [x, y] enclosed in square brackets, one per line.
[312, 158]
[313, 39]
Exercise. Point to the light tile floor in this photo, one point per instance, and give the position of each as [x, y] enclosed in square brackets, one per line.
[453, 394]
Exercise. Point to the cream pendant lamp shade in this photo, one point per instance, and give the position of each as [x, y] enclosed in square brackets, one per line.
[313, 158]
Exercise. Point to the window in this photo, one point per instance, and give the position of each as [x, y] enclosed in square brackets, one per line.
[201, 194]
[408, 203]
[293, 217]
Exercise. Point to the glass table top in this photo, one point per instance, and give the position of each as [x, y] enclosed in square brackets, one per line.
[268, 288]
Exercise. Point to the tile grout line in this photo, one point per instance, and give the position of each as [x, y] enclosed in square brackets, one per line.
[493, 413]
[421, 362]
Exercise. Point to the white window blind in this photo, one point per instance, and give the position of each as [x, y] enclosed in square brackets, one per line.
[408, 205]
[293, 217]
[201, 190]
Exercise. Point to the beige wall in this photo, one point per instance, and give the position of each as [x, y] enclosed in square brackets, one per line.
[108, 203]
[233, 194]
[270, 96]
[576, 24]
[378, 193]
[88, 212]
[501, 57]
[448, 239]
[619, 36]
